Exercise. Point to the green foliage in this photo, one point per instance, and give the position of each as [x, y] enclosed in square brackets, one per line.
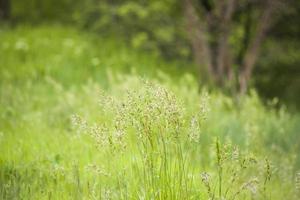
[157, 26]
[35, 11]
[148, 25]
[280, 63]
[134, 138]
[32, 54]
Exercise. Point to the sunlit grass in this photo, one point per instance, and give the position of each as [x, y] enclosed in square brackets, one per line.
[82, 124]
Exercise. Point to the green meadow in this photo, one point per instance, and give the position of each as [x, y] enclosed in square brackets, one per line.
[87, 117]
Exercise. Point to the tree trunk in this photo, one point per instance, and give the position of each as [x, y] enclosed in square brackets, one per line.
[199, 43]
[4, 9]
[252, 52]
[223, 49]
[215, 20]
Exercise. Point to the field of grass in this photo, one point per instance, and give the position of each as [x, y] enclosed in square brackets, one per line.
[83, 117]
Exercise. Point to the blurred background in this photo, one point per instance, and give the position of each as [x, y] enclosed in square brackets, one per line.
[231, 68]
[227, 45]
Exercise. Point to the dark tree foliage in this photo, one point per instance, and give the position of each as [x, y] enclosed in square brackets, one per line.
[278, 73]
[4, 9]
[241, 43]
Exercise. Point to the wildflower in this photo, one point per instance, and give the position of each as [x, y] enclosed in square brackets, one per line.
[79, 123]
[250, 185]
[194, 132]
[107, 194]
[97, 170]
[57, 170]
[205, 177]
[235, 153]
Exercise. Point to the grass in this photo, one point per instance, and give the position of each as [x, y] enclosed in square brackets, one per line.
[78, 122]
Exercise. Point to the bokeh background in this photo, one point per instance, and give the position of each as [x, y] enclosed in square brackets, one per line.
[160, 28]
[213, 84]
